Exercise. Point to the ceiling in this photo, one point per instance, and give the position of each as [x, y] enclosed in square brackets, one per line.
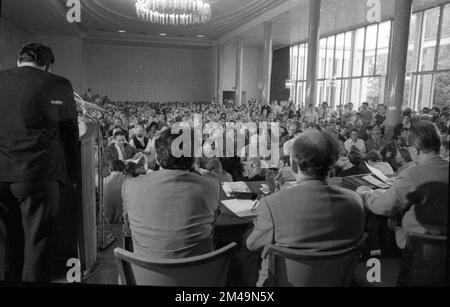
[102, 19]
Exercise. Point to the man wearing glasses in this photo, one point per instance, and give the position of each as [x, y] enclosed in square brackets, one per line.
[418, 199]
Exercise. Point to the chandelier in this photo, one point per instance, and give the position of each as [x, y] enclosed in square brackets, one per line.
[174, 12]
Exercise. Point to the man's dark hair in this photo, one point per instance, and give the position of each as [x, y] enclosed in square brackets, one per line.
[355, 158]
[163, 146]
[120, 133]
[373, 156]
[425, 137]
[38, 54]
[117, 166]
[355, 130]
[315, 153]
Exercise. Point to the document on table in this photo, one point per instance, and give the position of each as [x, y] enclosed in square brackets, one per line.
[378, 173]
[376, 182]
[240, 207]
[235, 187]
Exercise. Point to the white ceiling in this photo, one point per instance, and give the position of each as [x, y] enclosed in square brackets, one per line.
[101, 20]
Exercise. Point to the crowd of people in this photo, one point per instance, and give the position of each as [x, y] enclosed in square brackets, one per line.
[314, 143]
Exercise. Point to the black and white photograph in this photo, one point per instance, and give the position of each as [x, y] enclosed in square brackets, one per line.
[218, 151]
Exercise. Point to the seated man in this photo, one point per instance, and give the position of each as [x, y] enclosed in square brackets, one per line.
[405, 201]
[216, 171]
[375, 160]
[358, 166]
[312, 216]
[119, 150]
[171, 212]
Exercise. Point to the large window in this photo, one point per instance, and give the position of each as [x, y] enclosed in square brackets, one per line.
[428, 69]
[352, 66]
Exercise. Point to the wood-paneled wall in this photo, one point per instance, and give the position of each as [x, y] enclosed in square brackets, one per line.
[126, 73]
[280, 73]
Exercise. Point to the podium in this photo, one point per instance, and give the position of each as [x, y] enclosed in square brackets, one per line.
[75, 225]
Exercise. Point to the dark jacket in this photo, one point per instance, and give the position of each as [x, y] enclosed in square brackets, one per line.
[38, 126]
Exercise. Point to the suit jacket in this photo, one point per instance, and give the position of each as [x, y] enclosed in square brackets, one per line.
[171, 213]
[112, 154]
[38, 127]
[395, 203]
[313, 216]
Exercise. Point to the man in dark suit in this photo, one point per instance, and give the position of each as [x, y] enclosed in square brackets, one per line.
[171, 212]
[314, 215]
[38, 146]
[119, 150]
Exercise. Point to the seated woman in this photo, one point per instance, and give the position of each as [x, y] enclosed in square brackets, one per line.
[404, 160]
[374, 159]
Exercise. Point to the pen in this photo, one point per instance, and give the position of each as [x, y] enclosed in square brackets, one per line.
[256, 202]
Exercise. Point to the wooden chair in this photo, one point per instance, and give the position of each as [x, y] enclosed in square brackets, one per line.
[423, 263]
[294, 268]
[209, 270]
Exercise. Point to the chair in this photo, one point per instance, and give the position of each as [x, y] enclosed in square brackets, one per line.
[423, 263]
[295, 268]
[209, 270]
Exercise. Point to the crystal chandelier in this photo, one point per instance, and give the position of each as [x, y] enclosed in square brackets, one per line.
[174, 12]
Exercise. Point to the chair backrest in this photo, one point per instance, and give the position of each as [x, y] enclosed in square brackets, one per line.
[209, 270]
[296, 268]
[424, 261]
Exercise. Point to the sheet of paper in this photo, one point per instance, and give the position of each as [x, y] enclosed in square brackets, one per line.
[240, 207]
[378, 173]
[376, 182]
[235, 187]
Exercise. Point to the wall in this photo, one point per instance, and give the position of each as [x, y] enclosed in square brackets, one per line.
[129, 73]
[280, 73]
[11, 40]
[251, 72]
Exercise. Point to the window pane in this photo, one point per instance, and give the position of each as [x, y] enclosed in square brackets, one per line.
[407, 92]
[295, 63]
[330, 57]
[384, 35]
[358, 52]
[423, 94]
[444, 47]
[345, 92]
[347, 53]
[339, 55]
[371, 90]
[356, 86]
[322, 57]
[321, 91]
[411, 63]
[429, 35]
[441, 93]
[335, 95]
[371, 45]
[301, 59]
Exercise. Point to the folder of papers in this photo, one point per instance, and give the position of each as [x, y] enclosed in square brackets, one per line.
[235, 187]
[240, 207]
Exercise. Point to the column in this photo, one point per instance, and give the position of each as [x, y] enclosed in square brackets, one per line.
[267, 63]
[239, 59]
[313, 52]
[397, 65]
[219, 85]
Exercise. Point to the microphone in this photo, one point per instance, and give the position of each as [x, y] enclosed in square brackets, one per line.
[86, 105]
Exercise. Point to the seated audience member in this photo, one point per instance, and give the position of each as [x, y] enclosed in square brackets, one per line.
[355, 141]
[374, 159]
[139, 141]
[312, 216]
[404, 160]
[256, 173]
[388, 154]
[358, 165]
[428, 179]
[376, 141]
[120, 150]
[214, 167]
[171, 212]
[113, 192]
